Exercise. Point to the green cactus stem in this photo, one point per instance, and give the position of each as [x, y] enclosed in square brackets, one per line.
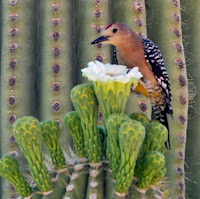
[191, 15]
[86, 105]
[168, 36]
[95, 187]
[51, 137]
[9, 169]
[112, 96]
[56, 61]
[17, 71]
[59, 185]
[148, 169]
[73, 123]
[28, 134]
[78, 182]
[95, 18]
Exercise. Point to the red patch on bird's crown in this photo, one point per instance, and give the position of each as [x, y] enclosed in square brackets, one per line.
[109, 26]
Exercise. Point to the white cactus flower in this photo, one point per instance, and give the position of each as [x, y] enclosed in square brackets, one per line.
[97, 71]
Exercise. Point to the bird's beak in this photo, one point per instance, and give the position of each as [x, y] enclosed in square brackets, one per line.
[100, 39]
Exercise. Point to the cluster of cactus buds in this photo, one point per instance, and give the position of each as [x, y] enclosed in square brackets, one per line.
[127, 152]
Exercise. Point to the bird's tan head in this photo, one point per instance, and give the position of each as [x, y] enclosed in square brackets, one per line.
[114, 34]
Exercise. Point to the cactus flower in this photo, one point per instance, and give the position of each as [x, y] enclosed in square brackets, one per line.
[112, 85]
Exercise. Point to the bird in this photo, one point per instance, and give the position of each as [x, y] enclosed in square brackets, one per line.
[134, 50]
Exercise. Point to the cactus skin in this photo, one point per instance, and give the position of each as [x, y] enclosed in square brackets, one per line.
[77, 186]
[73, 123]
[112, 96]
[51, 137]
[151, 164]
[17, 71]
[9, 169]
[95, 187]
[86, 105]
[191, 30]
[27, 132]
[168, 37]
[131, 136]
[55, 61]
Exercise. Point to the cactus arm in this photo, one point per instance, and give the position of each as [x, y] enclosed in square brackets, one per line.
[27, 132]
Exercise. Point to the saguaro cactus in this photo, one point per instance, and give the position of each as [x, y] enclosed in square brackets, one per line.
[44, 46]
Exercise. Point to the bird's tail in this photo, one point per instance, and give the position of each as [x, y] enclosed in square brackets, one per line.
[161, 115]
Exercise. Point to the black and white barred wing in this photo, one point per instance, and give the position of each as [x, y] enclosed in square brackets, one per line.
[154, 58]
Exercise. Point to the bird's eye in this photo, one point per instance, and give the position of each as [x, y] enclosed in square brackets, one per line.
[115, 30]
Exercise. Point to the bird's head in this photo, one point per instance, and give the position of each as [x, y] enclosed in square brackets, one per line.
[114, 34]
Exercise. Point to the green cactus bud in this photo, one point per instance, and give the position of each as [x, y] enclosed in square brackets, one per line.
[159, 176]
[140, 118]
[156, 136]
[131, 136]
[9, 169]
[86, 105]
[149, 167]
[51, 137]
[113, 151]
[27, 132]
[112, 96]
[73, 124]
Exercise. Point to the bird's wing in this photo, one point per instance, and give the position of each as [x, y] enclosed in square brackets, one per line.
[154, 58]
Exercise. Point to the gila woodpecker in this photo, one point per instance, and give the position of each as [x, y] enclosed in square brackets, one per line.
[135, 50]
